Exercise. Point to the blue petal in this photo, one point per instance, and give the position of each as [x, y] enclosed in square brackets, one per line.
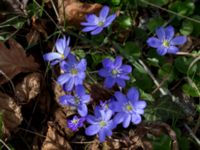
[92, 19]
[92, 130]
[140, 104]
[82, 65]
[118, 61]
[172, 50]
[91, 119]
[108, 131]
[154, 42]
[119, 117]
[89, 28]
[136, 119]
[139, 111]
[162, 50]
[82, 110]
[61, 45]
[78, 80]
[107, 63]
[109, 82]
[52, 56]
[71, 59]
[68, 99]
[127, 120]
[69, 84]
[109, 20]
[85, 98]
[124, 77]
[102, 135]
[169, 32]
[97, 31]
[104, 72]
[160, 32]
[133, 94]
[120, 97]
[68, 41]
[63, 78]
[66, 51]
[108, 115]
[126, 68]
[80, 90]
[54, 62]
[121, 82]
[63, 100]
[179, 40]
[104, 12]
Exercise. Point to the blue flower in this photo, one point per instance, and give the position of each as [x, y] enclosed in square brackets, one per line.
[96, 24]
[101, 123]
[128, 108]
[75, 123]
[74, 73]
[165, 41]
[114, 72]
[63, 49]
[79, 100]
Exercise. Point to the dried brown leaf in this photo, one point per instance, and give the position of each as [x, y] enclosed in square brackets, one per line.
[54, 141]
[12, 116]
[73, 11]
[13, 60]
[29, 88]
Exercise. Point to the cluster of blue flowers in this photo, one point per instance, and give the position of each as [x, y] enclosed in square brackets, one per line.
[120, 108]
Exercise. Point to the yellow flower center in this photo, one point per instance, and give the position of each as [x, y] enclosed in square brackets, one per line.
[74, 71]
[75, 121]
[128, 107]
[101, 23]
[102, 123]
[114, 72]
[166, 43]
[62, 56]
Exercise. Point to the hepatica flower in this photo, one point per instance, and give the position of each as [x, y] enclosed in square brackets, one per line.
[79, 100]
[96, 24]
[74, 73]
[114, 72]
[101, 124]
[128, 108]
[165, 42]
[75, 123]
[63, 49]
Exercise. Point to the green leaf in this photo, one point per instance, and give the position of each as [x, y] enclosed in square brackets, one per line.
[132, 49]
[192, 88]
[182, 65]
[183, 8]
[158, 2]
[125, 22]
[162, 142]
[187, 27]
[155, 23]
[166, 71]
[114, 2]
[80, 53]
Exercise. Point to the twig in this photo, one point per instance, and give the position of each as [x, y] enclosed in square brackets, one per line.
[192, 134]
[170, 11]
[12, 85]
[1, 141]
[54, 7]
[187, 54]
[162, 91]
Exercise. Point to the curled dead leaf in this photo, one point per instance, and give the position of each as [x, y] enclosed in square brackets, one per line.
[13, 60]
[29, 88]
[73, 11]
[12, 116]
[55, 141]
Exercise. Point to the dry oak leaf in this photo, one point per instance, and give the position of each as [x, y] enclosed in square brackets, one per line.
[29, 88]
[54, 141]
[12, 116]
[13, 60]
[73, 11]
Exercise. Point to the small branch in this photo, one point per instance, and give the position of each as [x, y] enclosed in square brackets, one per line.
[187, 54]
[56, 12]
[192, 134]
[162, 91]
[1, 141]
